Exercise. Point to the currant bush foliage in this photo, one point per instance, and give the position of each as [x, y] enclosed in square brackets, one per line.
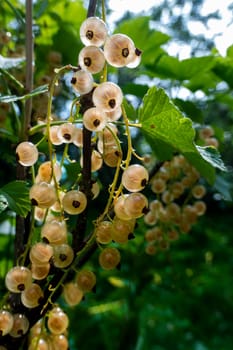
[95, 170]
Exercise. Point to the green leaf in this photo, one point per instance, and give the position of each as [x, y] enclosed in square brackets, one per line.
[7, 62]
[3, 203]
[168, 131]
[17, 195]
[12, 98]
[186, 69]
[224, 187]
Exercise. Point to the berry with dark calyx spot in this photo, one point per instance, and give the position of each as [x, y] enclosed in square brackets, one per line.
[74, 202]
[93, 31]
[18, 278]
[107, 96]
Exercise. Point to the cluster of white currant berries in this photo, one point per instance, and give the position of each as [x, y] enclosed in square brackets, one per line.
[50, 332]
[177, 205]
[52, 204]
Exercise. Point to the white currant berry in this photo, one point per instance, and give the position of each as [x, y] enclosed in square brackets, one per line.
[114, 115]
[86, 280]
[95, 189]
[32, 296]
[39, 214]
[109, 258]
[151, 249]
[20, 325]
[74, 202]
[66, 132]
[93, 31]
[91, 59]
[82, 82]
[6, 322]
[27, 153]
[46, 170]
[58, 321]
[198, 191]
[200, 207]
[135, 59]
[40, 253]
[119, 50]
[63, 255]
[122, 229]
[39, 272]
[39, 343]
[94, 119]
[18, 278]
[104, 231]
[78, 137]
[158, 185]
[54, 136]
[136, 205]
[96, 161]
[120, 209]
[54, 232]
[72, 293]
[112, 156]
[107, 96]
[59, 342]
[135, 178]
[43, 195]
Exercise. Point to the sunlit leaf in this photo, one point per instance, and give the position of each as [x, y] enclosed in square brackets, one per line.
[16, 194]
[3, 203]
[168, 131]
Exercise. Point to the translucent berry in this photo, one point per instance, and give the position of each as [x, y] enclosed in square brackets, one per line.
[107, 96]
[78, 137]
[136, 205]
[65, 132]
[54, 136]
[72, 293]
[54, 232]
[59, 342]
[94, 119]
[42, 195]
[63, 255]
[120, 209]
[198, 191]
[74, 202]
[6, 322]
[57, 321]
[32, 296]
[135, 178]
[39, 272]
[93, 31]
[109, 258]
[27, 153]
[151, 249]
[119, 50]
[96, 161]
[104, 231]
[200, 207]
[86, 280]
[18, 278]
[20, 326]
[112, 156]
[40, 253]
[39, 344]
[122, 229]
[91, 59]
[158, 185]
[82, 82]
[46, 170]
